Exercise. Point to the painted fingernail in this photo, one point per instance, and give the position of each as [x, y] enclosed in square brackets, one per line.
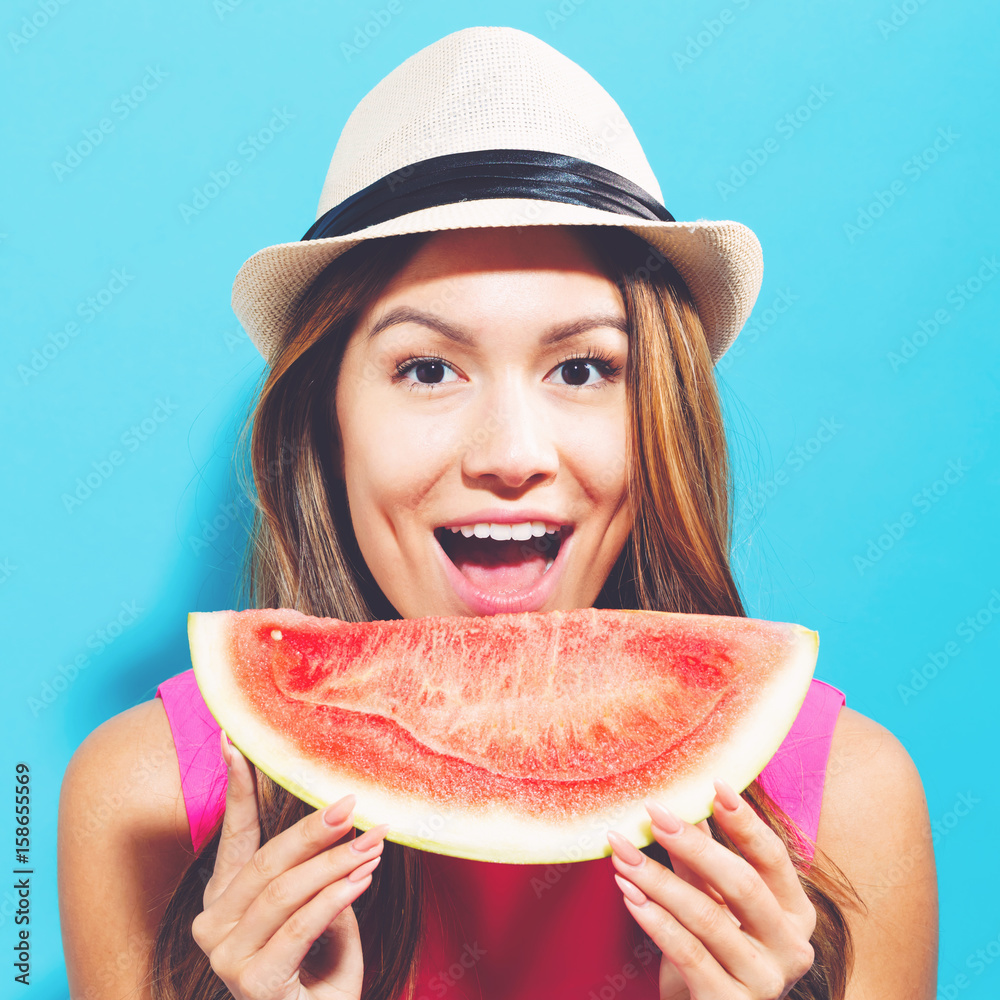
[366, 869]
[663, 817]
[369, 838]
[625, 849]
[728, 799]
[632, 893]
[337, 812]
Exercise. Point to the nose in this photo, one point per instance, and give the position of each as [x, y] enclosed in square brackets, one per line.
[510, 441]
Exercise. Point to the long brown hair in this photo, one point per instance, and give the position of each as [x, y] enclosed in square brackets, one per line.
[302, 554]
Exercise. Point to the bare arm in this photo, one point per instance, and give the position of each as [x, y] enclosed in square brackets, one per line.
[123, 844]
[874, 825]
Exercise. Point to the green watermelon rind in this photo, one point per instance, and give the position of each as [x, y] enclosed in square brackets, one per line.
[489, 836]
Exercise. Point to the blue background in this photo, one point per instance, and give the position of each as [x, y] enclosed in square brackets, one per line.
[841, 433]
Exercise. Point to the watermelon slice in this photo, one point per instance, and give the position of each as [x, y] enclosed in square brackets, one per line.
[517, 738]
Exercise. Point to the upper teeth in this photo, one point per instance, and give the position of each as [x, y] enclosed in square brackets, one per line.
[502, 532]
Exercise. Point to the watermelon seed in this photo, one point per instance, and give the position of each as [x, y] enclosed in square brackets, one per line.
[276, 633]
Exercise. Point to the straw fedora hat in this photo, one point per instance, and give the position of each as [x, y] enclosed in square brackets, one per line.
[491, 126]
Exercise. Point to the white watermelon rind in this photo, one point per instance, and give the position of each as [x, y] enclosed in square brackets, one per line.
[492, 836]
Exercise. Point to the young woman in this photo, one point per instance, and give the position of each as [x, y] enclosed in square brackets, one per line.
[449, 370]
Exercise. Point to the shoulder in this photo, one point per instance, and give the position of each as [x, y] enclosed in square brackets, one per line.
[874, 826]
[869, 775]
[126, 770]
[122, 847]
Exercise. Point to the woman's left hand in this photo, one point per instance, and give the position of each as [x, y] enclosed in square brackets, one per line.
[728, 928]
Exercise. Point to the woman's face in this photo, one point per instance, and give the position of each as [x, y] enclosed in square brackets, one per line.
[460, 406]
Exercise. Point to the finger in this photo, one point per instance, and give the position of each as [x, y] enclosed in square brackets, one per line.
[693, 877]
[303, 840]
[741, 886]
[240, 835]
[710, 942]
[277, 964]
[766, 853]
[293, 889]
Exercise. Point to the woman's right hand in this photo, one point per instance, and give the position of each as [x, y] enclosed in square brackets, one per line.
[266, 906]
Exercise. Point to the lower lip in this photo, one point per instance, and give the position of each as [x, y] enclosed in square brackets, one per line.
[482, 603]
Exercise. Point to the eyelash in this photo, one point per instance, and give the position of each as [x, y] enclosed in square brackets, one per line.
[605, 361]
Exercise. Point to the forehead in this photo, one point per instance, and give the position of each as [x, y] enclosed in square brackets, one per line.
[526, 278]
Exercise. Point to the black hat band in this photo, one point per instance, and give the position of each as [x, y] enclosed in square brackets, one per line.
[488, 173]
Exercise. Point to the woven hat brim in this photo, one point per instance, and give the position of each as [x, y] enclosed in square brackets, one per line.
[720, 261]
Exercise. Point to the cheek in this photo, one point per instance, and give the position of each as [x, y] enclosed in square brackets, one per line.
[600, 458]
[392, 460]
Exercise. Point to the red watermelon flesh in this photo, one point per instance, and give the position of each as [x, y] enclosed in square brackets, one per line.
[505, 737]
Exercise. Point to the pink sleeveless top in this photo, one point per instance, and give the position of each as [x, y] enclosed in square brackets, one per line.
[528, 932]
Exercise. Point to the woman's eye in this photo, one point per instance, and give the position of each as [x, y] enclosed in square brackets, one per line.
[428, 371]
[575, 371]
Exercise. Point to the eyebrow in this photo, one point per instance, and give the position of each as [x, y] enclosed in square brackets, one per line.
[554, 335]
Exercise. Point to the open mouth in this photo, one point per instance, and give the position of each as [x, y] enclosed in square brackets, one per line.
[502, 566]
